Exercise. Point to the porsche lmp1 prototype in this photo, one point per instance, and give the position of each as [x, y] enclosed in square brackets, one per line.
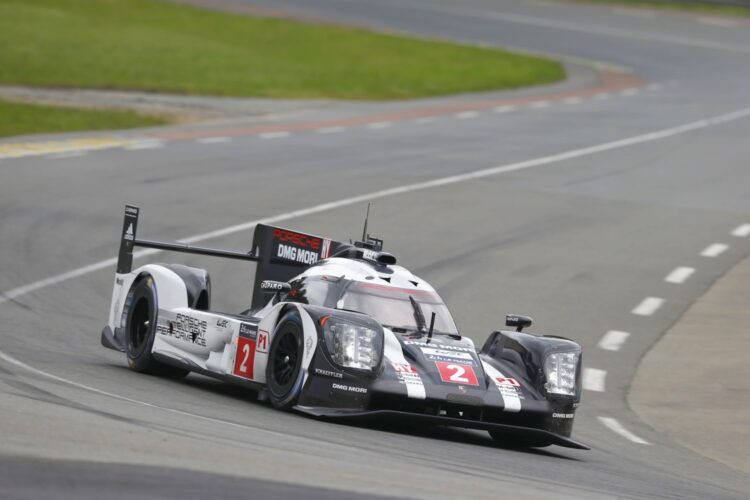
[338, 330]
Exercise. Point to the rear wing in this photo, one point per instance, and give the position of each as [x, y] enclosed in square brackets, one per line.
[280, 253]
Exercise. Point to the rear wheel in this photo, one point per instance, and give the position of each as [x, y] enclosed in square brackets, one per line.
[140, 329]
[510, 441]
[284, 368]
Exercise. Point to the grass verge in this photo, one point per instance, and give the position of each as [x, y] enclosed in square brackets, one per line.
[19, 119]
[157, 46]
[719, 10]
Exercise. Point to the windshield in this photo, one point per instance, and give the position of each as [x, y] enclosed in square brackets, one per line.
[391, 306]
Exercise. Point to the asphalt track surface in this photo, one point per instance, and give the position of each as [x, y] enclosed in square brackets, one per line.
[576, 240]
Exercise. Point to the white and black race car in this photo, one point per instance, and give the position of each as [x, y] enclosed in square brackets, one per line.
[339, 330]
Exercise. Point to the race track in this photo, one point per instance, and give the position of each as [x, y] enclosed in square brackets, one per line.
[573, 211]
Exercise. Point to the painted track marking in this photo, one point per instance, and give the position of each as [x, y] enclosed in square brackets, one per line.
[613, 340]
[648, 306]
[444, 181]
[741, 231]
[539, 104]
[679, 275]
[213, 140]
[379, 125]
[144, 145]
[274, 135]
[714, 250]
[593, 379]
[466, 115]
[572, 100]
[425, 119]
[330, 130]
[616, 427]
[602, 96]
[503, 109]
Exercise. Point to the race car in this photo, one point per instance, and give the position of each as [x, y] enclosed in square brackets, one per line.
[340, 331]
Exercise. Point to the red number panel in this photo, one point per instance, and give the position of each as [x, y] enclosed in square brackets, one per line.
[456, 373]
[244, 358]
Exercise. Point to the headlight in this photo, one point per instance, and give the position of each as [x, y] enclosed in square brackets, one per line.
[560, 370]
[353, 346]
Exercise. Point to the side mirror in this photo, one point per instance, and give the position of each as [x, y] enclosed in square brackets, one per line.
[517, 321]
[269, 286]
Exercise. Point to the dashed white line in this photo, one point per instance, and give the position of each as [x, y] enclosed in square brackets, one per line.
[629, 92]
[138, 146]
[602, 96]
[379, 125]
[425, 119]
[648, 307]
[593, 379]
[741, 231]
[330, 130]
[539, 104]
[613, 340]
[443, 181]
[572, 100]
[714, 250]
[503, 109]
[213, 140]
[679, 275]
[274, 135]
[617, 428]
[466, 115]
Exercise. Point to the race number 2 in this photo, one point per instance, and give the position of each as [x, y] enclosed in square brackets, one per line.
[456, 373]
[244, 357]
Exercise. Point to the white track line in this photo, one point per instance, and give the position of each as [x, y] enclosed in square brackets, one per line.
[213, 140]
[138, 146]
[466, 115]
[617, 428]
[629, 92]
[679, 275]
[444, 181]
[714, 250]
[572, 100]
[602, 96]
[613, 340]
[425, 119]
[648, 307]
[741, 231]
[593, 379]
[379, 125]
[539, 104]
[274, 135]
[330, 130]
[504, 109]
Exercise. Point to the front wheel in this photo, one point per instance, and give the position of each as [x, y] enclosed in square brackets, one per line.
[140, 329]
[284, 368]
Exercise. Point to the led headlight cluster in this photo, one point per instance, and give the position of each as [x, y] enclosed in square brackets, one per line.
[560, 370]
[353, 346]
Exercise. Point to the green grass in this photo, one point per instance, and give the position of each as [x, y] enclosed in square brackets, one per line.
[19, 119]
[721, 10]
[156, 46]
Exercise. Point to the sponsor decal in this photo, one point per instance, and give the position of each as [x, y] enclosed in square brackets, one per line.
[185, 328]
[297, 247]
[329, 373]
[349, 388]
[442, 355]
[456, 373]
[439, 346]
[129, 233]
[222, 323]
[407, 374]
[131, 210]
[369, 255]
[244, 358]
[248, 331]
[508, 387]
[119, 281]
[261, 344]
[271, 285]
[507, 381]
[325, 249]
[563, 415]
[308, 345]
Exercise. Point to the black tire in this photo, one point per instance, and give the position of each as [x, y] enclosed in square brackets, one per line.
[506, 440]
[140, 329]
[284, 368]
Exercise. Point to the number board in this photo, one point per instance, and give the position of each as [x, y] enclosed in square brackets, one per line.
[244, 358]
[456, 373]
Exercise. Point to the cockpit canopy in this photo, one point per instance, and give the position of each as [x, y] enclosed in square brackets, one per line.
[391, 306]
